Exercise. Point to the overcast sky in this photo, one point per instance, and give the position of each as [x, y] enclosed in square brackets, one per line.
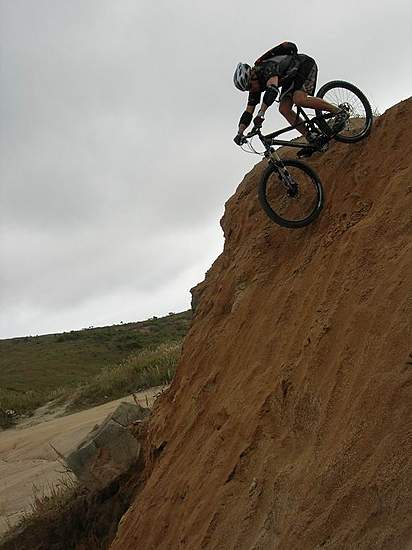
[117, 120]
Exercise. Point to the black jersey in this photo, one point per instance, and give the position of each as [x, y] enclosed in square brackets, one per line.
[283, 66]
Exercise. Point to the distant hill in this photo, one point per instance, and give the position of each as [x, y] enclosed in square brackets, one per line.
[44, 363]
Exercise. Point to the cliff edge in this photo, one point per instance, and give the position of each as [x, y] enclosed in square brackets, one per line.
[288, 424]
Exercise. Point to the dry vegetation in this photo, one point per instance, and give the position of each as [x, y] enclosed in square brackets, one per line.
[87, 367]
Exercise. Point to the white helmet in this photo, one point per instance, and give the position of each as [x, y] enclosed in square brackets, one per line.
[241, 78]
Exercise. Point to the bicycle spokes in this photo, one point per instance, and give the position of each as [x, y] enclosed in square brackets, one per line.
[348, 97]
[291, 194]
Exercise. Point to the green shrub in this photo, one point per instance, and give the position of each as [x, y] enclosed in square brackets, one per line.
[7, 418]
[20, 402]
[15, 404]
[141, 370]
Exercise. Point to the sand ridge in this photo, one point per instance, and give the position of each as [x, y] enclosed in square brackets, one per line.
[288, 424]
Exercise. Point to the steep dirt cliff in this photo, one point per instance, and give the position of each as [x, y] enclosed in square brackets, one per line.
[288, 424]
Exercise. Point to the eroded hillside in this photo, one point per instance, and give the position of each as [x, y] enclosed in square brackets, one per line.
[288, 424]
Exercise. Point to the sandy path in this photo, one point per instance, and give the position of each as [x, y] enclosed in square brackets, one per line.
[27, 459]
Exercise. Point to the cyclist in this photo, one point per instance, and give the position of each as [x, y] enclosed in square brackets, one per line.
[296, 75]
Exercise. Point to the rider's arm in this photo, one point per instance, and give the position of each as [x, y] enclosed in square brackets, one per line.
[246, 118]
[270, 95]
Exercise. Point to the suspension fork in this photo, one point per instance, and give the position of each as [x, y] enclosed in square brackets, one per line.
[274, 159]
[283, 173]
[272, 156]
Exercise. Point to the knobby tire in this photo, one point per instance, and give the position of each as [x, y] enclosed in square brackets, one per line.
[271, 210]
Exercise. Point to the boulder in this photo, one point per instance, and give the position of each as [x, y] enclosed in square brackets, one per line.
[109, 449]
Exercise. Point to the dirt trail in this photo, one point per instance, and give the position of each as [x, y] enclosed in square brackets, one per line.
[289, 422]
[27, 458]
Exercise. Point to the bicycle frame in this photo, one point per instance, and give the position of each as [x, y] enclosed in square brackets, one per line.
[311, 122]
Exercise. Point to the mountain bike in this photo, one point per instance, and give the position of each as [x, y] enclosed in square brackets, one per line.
[290, 191]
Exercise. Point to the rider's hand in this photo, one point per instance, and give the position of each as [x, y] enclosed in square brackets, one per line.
[258, 121]
[239, 139]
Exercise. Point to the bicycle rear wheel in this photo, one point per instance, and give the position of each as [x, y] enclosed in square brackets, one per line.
[360, 120]
[291, 194]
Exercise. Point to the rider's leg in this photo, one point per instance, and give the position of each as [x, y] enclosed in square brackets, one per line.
[285, 108]
[302, 99]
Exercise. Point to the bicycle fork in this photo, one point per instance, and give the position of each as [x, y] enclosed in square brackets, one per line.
[288, 181]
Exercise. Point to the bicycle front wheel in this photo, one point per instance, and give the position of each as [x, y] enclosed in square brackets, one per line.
[291, 194]
[359, 124]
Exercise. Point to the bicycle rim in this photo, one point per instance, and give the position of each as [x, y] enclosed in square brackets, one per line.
[291, 193]
[359, 124]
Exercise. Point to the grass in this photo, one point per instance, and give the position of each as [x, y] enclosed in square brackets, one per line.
[51, 498]
[89, 366]
[44, 363]
[64, 516]
[151, 367]
[142, 370]
[68, 516]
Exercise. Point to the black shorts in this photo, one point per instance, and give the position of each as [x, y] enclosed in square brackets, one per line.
[305, 79]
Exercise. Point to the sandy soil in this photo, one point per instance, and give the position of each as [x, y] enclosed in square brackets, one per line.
[288, 423]
[28, 463]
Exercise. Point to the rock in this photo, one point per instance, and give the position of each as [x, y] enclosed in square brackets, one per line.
[127, 413]
[109, 449]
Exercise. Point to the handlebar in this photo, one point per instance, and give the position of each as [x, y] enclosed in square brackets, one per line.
[254, 132]
[257, 132]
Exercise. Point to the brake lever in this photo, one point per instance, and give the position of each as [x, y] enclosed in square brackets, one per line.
[254, 132]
